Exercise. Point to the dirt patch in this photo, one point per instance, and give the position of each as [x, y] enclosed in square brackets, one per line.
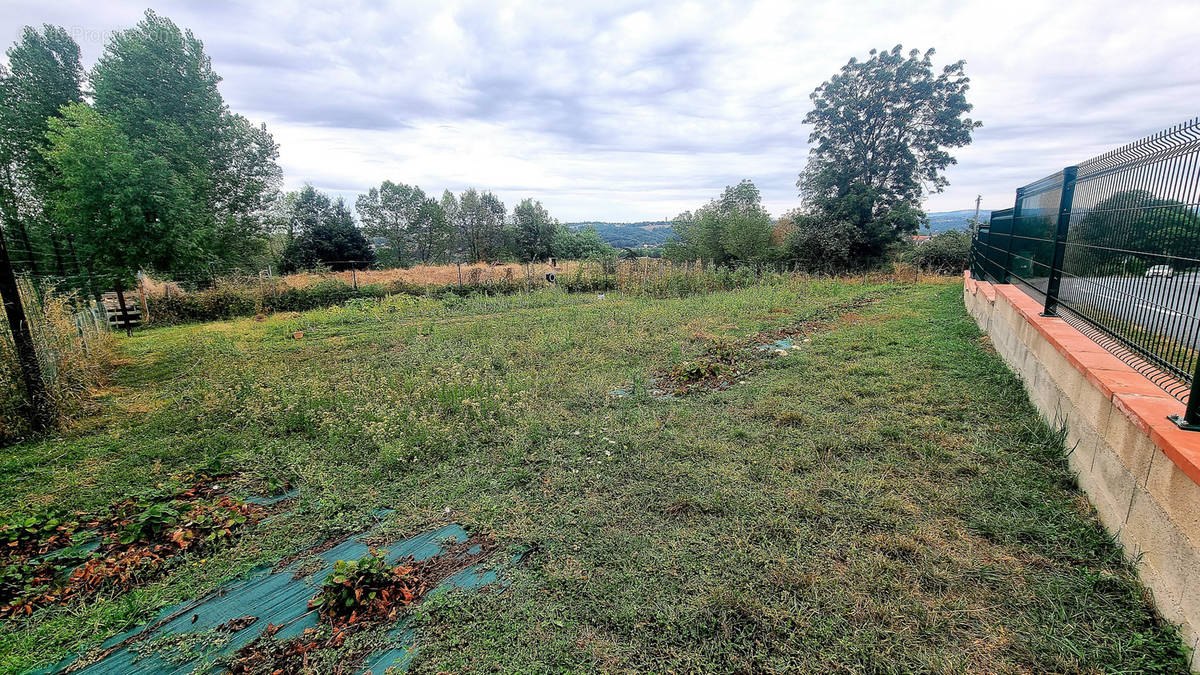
[719, 367]
[725, 362]
[986, 344]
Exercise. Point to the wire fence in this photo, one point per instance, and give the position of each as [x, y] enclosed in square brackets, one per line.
[73, 345]
[1112, 245]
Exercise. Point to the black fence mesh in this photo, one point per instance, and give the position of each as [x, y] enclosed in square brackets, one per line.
[1127, 229]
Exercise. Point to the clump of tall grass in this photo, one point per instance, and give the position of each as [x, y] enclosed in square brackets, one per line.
[75, 358]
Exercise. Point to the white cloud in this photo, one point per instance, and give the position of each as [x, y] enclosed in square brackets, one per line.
[626, 111]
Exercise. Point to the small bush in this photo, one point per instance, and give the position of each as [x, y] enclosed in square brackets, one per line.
[943, 253]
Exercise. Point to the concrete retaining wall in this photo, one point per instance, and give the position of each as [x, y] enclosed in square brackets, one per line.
[1140, 471]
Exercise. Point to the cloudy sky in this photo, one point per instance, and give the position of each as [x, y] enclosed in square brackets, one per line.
[636, 110]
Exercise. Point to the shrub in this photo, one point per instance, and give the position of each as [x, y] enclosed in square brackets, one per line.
[944, 253]
[823, 246]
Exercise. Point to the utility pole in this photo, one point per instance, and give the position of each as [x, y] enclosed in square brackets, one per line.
[41, 408]
[975, 225]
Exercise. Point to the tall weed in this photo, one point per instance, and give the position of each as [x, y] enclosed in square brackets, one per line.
[75, 357]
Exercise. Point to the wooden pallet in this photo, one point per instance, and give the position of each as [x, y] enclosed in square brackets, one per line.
[118, 319]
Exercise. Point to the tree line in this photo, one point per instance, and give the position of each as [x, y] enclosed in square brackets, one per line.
[399, 225]
[138, 163]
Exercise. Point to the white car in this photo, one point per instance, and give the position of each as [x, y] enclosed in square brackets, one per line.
[1160, 271]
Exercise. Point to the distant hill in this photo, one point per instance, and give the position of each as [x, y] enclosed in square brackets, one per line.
[629, 235]
[941, 221]
[655, 232]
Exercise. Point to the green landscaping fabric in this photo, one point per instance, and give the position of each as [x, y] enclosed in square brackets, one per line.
[278, 597]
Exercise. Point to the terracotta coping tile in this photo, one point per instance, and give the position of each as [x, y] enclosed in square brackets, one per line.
[1149, 413]
[1087, 360]
[1180, 446]
[1120, 381]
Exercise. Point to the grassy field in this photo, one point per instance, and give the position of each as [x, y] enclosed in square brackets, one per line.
[882, 499]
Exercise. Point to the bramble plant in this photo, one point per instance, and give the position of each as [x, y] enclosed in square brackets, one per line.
[205, 523]
[33, 529]
[698, 369]
[15, 580]
[356, 587]
[720, 357]
[152, 520]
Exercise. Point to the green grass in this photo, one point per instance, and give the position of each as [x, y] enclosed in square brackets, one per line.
[884, 500]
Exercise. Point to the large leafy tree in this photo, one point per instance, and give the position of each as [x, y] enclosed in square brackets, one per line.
[582, 244]
[732, 228]
[479, 224]
[157, 83]
[44, 74]
[533, 231]
[432, 236]
[325, 235]
[307, 209]
[412, 222]
[200, 179]
[450, 211]
[881, 133]
[108, 195]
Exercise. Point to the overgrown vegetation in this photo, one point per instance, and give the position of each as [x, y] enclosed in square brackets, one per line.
[851, 506]
[75, 359]
[233, 297]
[943, 253]
[52, 559]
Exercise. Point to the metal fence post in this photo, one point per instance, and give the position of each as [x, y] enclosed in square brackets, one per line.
[1012, 231]
[973, 255]
[1190, 420]
[1060, 241]
[39, 401]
